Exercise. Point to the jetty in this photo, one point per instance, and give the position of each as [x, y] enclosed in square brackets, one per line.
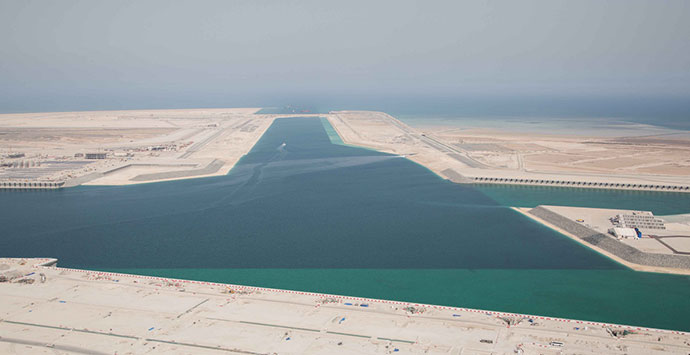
[665, 251]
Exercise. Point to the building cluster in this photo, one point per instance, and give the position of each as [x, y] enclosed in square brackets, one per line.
[95, 155]
[630, 225]
[12, 160]
[158, 148]
[643, 219]
[20, 164]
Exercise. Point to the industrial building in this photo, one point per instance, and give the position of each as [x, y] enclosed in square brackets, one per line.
[95, 155]
[642, 219]
[623, 232]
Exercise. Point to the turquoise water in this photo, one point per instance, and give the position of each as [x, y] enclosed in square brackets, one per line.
[661, 203]
[618, 296]
[333, 136]
[300, 212]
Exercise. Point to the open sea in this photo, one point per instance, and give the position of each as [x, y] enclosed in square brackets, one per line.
[303, 211]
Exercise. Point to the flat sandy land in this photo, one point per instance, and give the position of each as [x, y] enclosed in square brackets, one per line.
[667, 154]
[116, 119]
[137, 144]
[471, 152]
[63, 311]
[680, 244]
[140, 145]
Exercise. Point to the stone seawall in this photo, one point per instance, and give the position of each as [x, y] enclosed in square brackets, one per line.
[611, 244]
[33, 185]
[211, 168]
[584, 184]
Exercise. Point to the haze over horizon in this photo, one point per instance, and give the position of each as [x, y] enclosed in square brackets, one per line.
[626, 56]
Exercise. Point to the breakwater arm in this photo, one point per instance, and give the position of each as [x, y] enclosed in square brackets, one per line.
[609, 246]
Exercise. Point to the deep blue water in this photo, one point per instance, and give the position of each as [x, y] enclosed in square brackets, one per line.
[309, 204]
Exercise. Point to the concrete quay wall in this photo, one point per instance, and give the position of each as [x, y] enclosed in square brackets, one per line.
[585, 184]
[611, 244]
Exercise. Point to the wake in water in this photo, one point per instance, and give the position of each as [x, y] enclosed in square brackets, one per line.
[247, 188]
[462, 204]
[283, 168]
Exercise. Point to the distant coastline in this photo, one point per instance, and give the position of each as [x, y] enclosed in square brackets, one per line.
[166, 145]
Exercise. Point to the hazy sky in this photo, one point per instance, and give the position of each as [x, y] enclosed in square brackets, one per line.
[114, 54]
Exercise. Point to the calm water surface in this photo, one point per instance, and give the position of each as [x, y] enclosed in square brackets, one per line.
[300, 212]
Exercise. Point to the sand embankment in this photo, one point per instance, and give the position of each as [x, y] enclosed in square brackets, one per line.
[70, 310]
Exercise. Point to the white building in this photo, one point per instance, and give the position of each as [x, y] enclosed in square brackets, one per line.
[623, 232]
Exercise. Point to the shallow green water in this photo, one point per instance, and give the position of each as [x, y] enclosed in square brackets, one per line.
[299, 212]
[596, 295]
[333, 136]
[661, 203]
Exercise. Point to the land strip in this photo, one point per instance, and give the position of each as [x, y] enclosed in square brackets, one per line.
[63, 149]
[510, 158]
[81, 311]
